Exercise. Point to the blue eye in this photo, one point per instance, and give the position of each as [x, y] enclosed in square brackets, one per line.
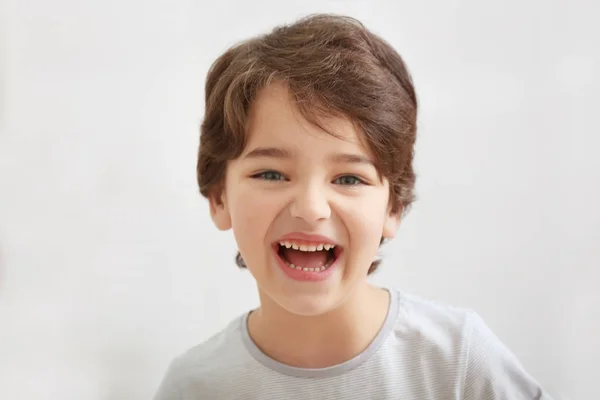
[269, 176]
[348, 180]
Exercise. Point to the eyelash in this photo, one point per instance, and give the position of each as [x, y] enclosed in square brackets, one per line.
[263, 176]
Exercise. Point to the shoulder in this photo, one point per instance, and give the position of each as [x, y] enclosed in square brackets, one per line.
[434, 332]
[493, 371]
[208, 362]
[224, 346]
[432, 319]
[459, 337]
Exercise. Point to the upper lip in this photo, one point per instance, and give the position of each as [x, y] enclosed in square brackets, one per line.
[306, 238]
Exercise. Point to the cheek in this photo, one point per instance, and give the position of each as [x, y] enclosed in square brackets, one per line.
[367, 218]
[364, 221]
[252, 213]
[366, 230]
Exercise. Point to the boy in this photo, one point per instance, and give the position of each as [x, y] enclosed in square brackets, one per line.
[306, 154]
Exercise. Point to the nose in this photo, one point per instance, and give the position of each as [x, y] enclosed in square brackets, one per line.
[310, 203]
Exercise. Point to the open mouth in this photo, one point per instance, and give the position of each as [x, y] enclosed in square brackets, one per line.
[314, 257]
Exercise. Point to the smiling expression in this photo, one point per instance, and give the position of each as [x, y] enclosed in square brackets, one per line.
[308, 209]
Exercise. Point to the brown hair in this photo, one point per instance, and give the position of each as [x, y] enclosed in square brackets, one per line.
[332, 66]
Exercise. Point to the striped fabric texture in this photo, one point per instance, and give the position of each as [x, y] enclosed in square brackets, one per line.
[425, 350]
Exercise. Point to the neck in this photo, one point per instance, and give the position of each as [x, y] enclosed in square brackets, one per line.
[324, 340]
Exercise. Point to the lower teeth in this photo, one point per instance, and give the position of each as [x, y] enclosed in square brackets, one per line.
[323, 268]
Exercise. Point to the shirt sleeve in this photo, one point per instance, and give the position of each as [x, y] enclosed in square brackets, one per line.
[493, 372]
[169, 387]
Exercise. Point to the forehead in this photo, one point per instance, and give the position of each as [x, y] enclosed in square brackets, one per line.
[274, 119]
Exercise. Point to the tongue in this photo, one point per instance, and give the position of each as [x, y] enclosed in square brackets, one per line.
[305, 259]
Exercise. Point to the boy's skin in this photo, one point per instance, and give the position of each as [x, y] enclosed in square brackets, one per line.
[299, 323]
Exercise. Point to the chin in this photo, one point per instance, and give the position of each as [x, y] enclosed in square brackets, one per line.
[306, 305]
[307, 298]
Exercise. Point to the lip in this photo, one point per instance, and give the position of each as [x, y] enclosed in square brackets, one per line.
[306, 238]
[305, 276]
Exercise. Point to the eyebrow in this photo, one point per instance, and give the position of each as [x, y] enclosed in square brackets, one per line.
[345, 158]
[269, 152]
[278, 152]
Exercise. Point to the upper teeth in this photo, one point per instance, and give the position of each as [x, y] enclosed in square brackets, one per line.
[303, 247]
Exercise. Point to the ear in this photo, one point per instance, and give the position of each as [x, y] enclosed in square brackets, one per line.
[391, 223]
[219, 211]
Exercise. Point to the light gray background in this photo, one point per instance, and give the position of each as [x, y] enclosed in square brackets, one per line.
[110, 266]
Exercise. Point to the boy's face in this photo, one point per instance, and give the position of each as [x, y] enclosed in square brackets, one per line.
[294, 180]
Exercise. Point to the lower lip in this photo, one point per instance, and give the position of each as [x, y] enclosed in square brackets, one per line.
[305, 276]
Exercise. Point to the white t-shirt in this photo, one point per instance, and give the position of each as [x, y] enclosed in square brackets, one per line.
[425, 350]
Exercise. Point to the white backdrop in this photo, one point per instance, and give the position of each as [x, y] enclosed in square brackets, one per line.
[110, 266]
